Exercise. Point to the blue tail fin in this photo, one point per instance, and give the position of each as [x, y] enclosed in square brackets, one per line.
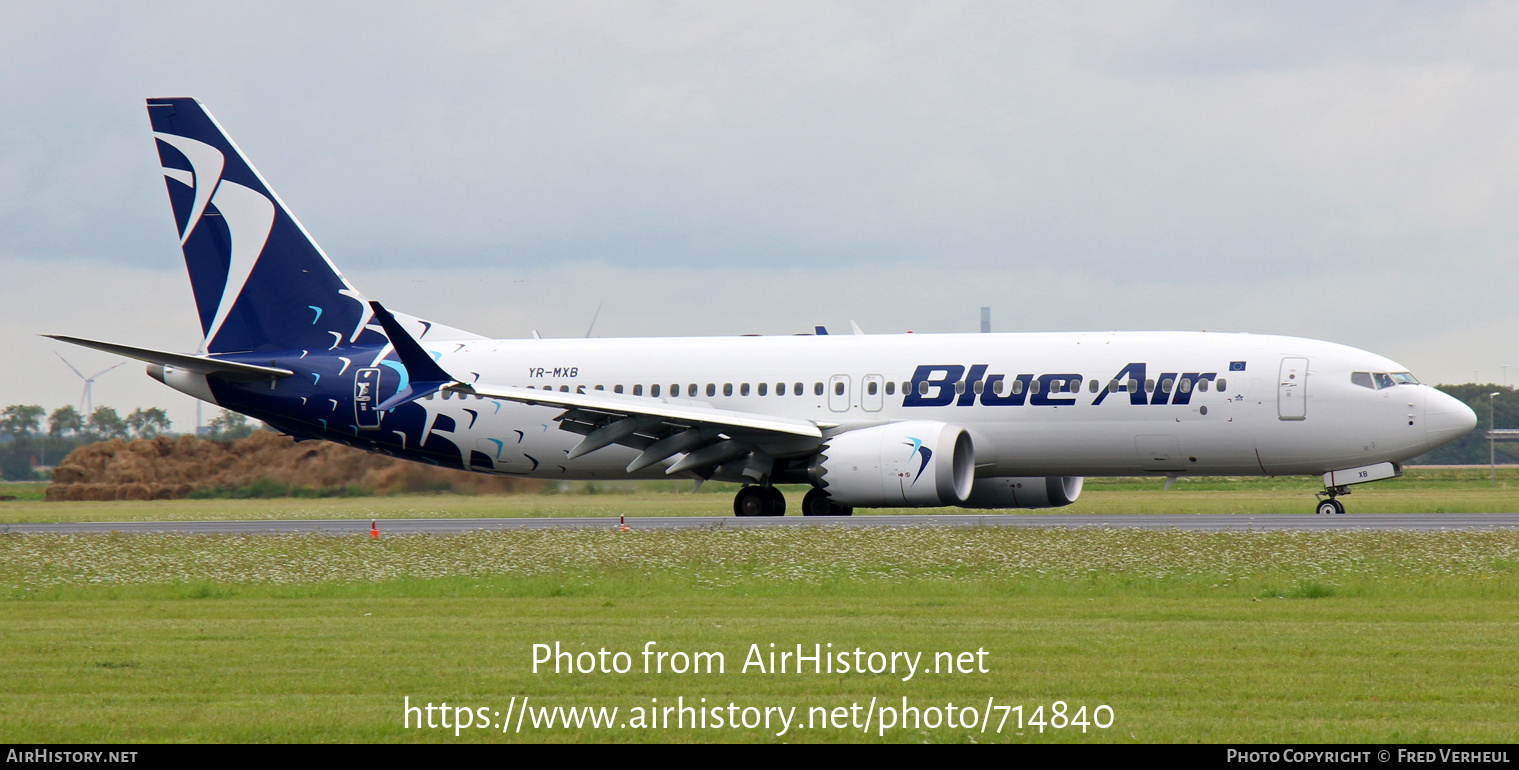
[261, 283]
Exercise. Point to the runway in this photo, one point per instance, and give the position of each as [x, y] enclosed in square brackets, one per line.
[1180, 522]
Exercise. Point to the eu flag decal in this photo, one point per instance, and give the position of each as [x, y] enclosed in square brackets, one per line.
[1236, 366]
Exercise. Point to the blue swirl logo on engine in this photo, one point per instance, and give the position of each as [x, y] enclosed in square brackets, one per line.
[918, 449]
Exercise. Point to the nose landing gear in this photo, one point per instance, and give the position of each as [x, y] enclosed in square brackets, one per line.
[1328, 504]
[1338, 483]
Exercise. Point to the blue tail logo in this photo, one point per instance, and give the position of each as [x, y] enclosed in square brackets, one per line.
[258, 276]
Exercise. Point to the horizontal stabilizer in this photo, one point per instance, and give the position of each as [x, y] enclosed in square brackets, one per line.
[213, 367]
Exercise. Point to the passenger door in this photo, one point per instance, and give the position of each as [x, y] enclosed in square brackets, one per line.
[1292, 389]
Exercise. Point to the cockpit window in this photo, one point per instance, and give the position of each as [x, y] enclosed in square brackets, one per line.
[1379, 380]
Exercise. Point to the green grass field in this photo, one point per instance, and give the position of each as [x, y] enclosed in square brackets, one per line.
[1460, 490]
[1218, 637]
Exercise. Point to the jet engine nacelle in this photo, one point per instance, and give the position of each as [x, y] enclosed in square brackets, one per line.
[1024, 492]
[913, 464]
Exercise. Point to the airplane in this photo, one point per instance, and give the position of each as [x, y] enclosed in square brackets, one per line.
[994, 421]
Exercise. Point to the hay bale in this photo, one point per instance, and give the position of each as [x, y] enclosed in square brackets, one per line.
[171, 468]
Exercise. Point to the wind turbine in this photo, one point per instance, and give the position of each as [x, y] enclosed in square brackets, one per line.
[88, 399]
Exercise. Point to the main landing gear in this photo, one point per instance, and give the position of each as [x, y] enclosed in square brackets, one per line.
[817, 503]
[1327, 502]
[759, 501]
[767, 501]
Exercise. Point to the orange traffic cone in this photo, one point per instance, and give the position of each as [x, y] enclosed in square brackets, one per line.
[622, 523]
[374, 530]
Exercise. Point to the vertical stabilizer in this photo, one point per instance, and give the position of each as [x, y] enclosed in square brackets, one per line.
[260, 281]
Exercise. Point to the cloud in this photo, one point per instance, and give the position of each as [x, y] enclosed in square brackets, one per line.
[1340, 172]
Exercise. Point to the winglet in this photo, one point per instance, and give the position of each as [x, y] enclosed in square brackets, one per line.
[425, 374]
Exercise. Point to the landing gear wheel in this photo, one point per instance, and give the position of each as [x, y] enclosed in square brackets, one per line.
[817, 503]
[759, 501]
[750, 501]
[1339, 507]
[1328, 507]
[775, 502]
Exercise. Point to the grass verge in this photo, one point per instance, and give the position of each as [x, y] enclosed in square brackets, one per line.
[1463, 490]
[1268, 636]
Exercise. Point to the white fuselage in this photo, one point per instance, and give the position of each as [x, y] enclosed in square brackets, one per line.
[1257, 415]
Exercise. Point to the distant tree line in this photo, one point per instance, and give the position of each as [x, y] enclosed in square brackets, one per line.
[23, 440]
[24, 444]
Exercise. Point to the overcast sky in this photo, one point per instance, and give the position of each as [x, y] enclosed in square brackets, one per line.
[1345, 171]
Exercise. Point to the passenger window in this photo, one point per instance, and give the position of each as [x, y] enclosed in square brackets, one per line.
[906, 387]
[1150, 385]
[763, 388]
[1017, 387]
[1383, 379]
[838, 388]
[997, 388]
[891, 388]
[1202, 385]
[601, 387]
[959, 387]
[691, 390]
[817, 388]
[1363, 379]
[870, 387]
[616, 388]
[1093, 386]
[1185, 386]
[1223, 385]
[580, 389]
[638, 390]
[923, 388]
[743, 390]
[980, 387]
[564, 388]
[654, 390]
[797, 391]
[1033, 387]
[1165, 385]
[1112, 386]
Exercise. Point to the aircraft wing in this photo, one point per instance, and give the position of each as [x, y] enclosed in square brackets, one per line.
[661, 429]
[617, 404]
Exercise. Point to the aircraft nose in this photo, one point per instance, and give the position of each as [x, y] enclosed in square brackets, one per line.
[1446, 419]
